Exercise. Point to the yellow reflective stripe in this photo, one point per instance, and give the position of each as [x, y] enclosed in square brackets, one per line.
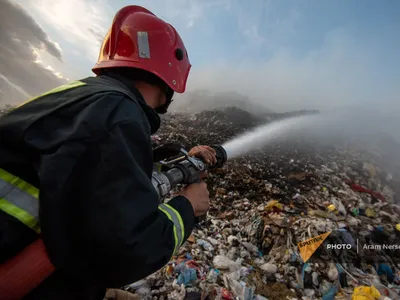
[19, 214]
[179, 230]
[67, 86]
[19, 199]
[175, 233]
[19, 183]
[178, 216]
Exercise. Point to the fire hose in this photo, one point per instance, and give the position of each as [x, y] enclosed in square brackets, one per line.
[24, 272]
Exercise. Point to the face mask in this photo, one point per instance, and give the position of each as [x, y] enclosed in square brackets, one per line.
[163, 109]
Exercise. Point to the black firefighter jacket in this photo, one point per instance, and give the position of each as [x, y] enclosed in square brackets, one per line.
[88, 150]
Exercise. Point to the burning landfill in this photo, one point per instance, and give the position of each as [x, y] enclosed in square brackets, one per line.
[265, 203]
[270, 205]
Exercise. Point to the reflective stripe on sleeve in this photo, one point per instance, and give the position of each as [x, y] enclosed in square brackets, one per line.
[19, 199]
[179, 229]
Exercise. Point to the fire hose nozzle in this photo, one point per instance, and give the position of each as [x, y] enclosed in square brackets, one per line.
[185, 170]
[221, 156]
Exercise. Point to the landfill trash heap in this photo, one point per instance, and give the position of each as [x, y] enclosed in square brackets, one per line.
[264, 203]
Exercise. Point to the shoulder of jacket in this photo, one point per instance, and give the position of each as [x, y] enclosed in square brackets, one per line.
[128, 109]
[107, 84]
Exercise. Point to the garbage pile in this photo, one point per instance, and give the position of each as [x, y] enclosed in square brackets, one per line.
[267, 202]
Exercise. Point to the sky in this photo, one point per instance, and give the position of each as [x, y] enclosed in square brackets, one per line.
[285, 54]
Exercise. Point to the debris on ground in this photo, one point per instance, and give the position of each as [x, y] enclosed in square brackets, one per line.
[265, 203]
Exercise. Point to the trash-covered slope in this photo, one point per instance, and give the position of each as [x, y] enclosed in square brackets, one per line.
[264, 204]
[267, 202]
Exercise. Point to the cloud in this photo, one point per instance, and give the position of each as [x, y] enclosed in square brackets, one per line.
[257, 54]
[20, 38]
[187, 15]
[185, 12]
[264, 24]
[83, 24]
[80, 25]
[341, 72]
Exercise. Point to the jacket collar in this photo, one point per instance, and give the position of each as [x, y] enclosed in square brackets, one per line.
[151, 114]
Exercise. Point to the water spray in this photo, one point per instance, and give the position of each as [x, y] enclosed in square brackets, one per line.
[186, 169]
[265, 134]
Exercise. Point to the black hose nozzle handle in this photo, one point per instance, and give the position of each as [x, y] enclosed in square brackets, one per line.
[221, 156]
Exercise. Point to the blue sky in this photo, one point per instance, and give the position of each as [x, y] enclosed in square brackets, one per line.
[300, 54]
[235, 30]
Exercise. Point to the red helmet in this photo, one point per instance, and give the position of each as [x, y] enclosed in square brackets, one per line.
[139, 39]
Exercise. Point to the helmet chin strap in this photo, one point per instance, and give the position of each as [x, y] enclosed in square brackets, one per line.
[164, 108]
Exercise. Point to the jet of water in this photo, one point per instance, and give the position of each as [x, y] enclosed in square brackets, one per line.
[265, 134]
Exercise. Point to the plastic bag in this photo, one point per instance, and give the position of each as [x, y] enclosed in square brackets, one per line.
[365, 293]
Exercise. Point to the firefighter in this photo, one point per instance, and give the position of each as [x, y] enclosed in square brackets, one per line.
[76, 165]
